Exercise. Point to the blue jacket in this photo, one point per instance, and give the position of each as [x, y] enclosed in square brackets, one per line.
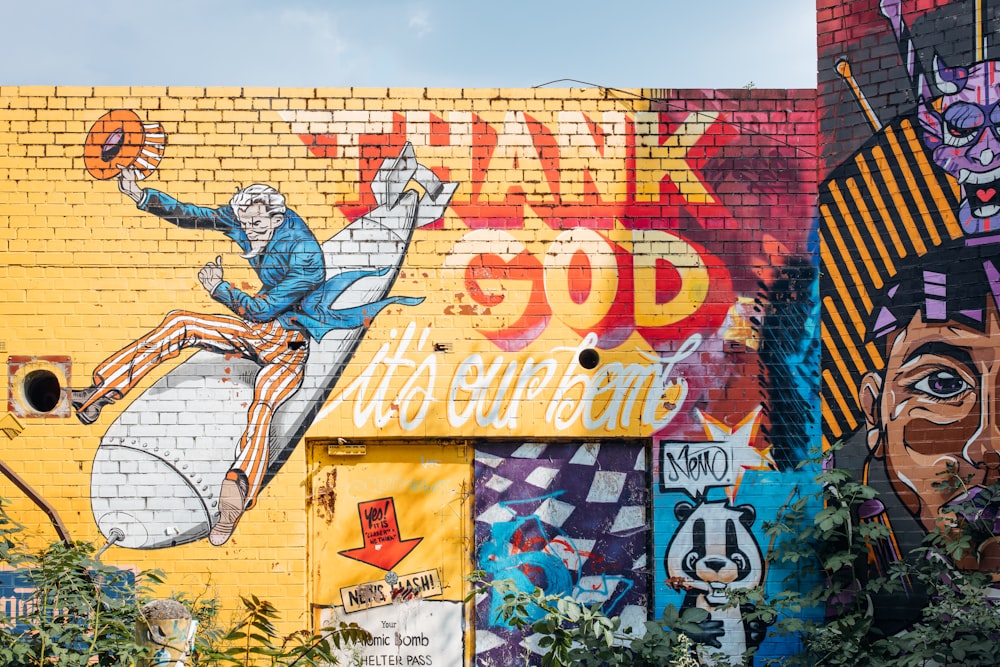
[294, 289]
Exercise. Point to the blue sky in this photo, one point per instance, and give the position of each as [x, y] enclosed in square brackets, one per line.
[411, 43]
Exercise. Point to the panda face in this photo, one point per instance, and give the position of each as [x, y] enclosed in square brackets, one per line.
[714, 549]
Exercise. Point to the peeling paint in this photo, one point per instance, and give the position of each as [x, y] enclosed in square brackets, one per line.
[326, 496]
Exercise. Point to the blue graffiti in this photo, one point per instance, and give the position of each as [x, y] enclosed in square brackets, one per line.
[525, 552]
[790, 357]
[509, 554]
[600, 588]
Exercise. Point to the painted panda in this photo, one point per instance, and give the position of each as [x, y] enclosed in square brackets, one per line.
[714, 551]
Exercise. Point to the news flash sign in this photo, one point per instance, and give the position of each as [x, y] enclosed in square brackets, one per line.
[370, 594]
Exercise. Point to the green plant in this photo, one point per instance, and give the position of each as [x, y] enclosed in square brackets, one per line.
[581, 635]
[829, 548]
[961, 623]
[960, 620]
[667, 642]
[82, 612]
[79, 610]
[255, 640]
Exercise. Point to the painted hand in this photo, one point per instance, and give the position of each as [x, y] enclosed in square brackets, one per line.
[128, 183]
[211, 274]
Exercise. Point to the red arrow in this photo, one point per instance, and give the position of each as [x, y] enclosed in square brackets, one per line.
[383, 548]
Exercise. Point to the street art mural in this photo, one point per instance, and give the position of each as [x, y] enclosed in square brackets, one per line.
[371, 342]
[711, 500]
[728, 465]
[569, 519]
[715, 554]
[307, 292]
[910, 280]
[589, 316]
[602, 246]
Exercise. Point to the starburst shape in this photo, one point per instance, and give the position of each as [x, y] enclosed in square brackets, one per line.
[739, 443]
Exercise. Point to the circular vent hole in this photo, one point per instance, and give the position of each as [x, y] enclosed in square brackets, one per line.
[42, 390]
[589, 358]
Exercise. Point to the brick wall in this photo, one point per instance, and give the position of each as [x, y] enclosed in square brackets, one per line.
[519, 280]
[907, 214]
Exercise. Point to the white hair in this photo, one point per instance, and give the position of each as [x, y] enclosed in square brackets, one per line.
[258, 193]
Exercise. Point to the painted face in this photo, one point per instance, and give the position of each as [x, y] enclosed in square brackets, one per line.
[962, 129]
[938, 404]
[258, 225]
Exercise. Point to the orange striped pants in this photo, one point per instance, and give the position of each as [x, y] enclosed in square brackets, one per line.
[266, 343]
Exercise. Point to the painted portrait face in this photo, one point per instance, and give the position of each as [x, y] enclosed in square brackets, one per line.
[257, 223]
[935, 405]
[962, 129]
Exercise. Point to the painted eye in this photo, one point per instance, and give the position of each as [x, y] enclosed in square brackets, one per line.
[963, 122]
[995, 115]
[957, 136]
[961, 132]
[942, 384]
[740, 560]
[691, 560]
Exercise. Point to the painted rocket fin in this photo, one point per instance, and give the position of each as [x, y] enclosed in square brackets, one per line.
[393, 176]
[433, 207]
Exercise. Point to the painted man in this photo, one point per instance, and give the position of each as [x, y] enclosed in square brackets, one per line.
[273, 327]
[934, 405]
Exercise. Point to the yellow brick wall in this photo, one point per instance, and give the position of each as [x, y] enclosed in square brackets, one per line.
[85, 272]
[569, 205]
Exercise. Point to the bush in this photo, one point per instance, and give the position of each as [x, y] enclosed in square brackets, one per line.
[581, 635]
[81, 612]
[254, 639]
[78, 610]
[960, 620]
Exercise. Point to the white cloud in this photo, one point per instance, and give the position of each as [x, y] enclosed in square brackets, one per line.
[419, 22]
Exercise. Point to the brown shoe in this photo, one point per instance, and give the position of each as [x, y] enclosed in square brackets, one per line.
[80, 398]
[232, 504]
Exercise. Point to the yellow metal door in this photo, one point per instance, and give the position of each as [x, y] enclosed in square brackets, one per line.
[389, 546]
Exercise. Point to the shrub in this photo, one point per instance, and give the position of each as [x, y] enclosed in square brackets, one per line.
[581, 635]
[81, 612]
